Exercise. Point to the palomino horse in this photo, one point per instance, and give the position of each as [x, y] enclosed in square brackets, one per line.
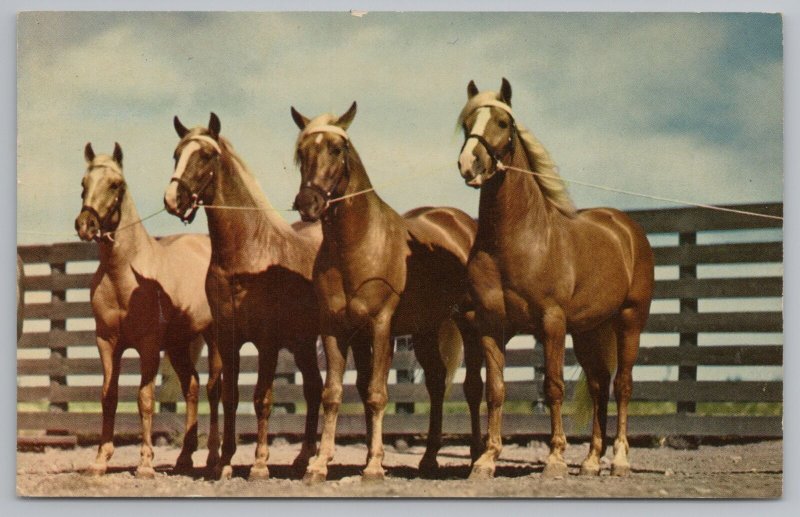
[540, 266]
[379, 274]
[258, 283]
[147, 294]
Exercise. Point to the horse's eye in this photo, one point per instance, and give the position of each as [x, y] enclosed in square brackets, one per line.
[114, 186]
[503, 124]
[336, 151]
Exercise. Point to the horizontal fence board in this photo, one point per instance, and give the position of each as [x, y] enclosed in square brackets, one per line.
[739, 253]
[59, 253]
[58, 281]
[716, 322]
[729, 355]
[88, 424]
[57, 338]
[58, 310]
[719, 288]
[651, 391]
[695, 219]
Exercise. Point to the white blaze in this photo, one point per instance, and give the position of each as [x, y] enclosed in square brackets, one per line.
[467, 158]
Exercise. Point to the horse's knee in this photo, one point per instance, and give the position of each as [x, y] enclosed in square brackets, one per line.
[554, 389]
[377, 400]
[331, 397]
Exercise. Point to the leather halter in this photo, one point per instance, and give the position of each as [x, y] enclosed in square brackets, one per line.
[207, 175]
[494, 154]
[316, 189]
[102, 222]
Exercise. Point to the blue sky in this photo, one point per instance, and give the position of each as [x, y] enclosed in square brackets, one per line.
[678, 105]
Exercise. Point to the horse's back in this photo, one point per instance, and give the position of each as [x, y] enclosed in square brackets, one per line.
[443, 227]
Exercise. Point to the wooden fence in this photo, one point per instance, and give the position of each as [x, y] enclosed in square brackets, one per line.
[686, 396]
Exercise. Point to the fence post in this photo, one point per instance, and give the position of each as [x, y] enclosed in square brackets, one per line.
[687, 306]
[58, 354]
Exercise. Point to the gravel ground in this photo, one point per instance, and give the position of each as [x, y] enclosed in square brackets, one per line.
[753, 470]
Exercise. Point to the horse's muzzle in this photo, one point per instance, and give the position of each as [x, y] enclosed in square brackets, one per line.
[178, 202]
[311, 204]
[87, 226]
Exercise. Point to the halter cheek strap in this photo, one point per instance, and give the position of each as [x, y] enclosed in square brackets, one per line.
[494, 155]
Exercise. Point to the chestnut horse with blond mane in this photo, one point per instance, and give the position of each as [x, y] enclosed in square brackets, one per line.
[380, 274]
[542, 267]
[147, 294]
[258, 284]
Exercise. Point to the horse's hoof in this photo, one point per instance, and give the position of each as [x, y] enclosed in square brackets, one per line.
[96, 469]
[587, 470]
[370, 476]
[555, 470]
[480, 472]
[145, 472]
[620, 470]
[428, 468]
[314, 478]
[258, 473]
[184, 467]
[223, 473]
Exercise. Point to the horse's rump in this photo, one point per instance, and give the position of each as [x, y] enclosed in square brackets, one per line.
[443, 227]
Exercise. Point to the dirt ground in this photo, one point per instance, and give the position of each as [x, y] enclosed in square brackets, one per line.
[753, 470]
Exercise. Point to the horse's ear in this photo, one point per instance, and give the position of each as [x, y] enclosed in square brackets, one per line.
[505, 91]
[299, 119]
[88, 152]
[345, 120]
[472, 90]
[214, 125]
[179, 128]
[117, 154]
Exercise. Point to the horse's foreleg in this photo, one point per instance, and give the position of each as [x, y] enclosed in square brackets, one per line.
[262, 402]
[427, 352]
[495, 360]
[473, 385]
[336, 355]
[628, 335]
[378, 395]
[149, 357]
[306, 359]
[190, 386]
[230, 401]
[111, 360]
[214, 391]
[554, 331]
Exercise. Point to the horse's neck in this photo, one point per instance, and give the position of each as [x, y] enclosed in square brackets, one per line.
[348, 221]
[130, 239]
[243, 238]
[512, 205]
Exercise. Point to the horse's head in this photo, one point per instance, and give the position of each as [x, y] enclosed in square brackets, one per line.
[102, 195]
[321, 152]
[197, 160]
[489, 129]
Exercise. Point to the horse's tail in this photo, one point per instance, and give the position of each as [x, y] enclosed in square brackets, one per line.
[451, 347]
[582, 415]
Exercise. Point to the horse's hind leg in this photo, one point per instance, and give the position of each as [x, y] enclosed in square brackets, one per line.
[190, 386]
[427, 352]
[305, 357]
[149, 357]
[629, 327]
[592, 351]
[214, 391]
[111, 360]
[262, 402]
[473, 385]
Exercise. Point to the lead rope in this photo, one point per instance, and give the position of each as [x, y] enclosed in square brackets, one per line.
[503, 167]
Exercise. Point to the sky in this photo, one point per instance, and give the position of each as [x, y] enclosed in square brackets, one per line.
[686, 106]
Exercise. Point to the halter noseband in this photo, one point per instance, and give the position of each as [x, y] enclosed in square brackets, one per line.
[103, 231]
[207, 173]
[508, 149]
[319, 191]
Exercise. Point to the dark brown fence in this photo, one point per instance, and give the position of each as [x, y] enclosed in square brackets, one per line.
[686, 406]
